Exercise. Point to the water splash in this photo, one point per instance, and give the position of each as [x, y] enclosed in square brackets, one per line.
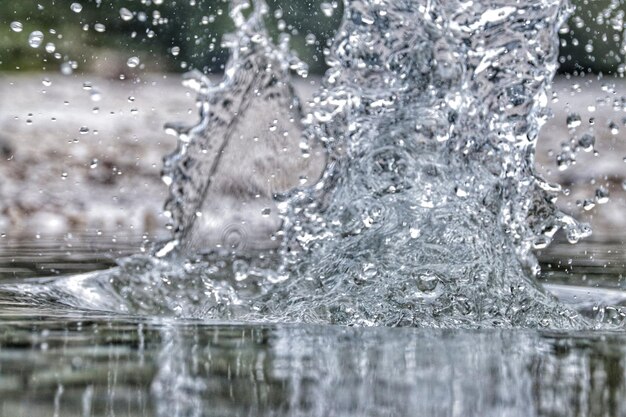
[428, 209]
[430, 116]
[245, 148]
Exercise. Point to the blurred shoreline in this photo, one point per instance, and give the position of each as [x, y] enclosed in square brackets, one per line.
[82, 154]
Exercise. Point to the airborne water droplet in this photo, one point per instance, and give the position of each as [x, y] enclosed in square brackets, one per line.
[602, 195]
[133, 62]
[327, 9]
[588, 204]
[35, 39]
[310, 39]
[126, 14]
[66, 68]
[16, 27]
[587, 142]
[95, 95]
[573, 120]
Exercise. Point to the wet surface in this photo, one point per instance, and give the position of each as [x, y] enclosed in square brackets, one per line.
[102, 366]
[68, 363]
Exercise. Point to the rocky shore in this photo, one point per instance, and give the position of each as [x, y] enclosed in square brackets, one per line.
[82, 154]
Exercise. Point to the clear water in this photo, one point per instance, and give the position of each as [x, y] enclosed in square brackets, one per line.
[426, 217]
[429, 206]
[65, 362]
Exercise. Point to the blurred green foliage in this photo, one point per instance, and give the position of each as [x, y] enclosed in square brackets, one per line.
[195, 27]
[593, 38]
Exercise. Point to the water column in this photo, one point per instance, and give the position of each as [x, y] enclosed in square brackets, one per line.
[430, 205]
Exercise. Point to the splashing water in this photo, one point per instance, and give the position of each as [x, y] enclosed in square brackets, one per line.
[429, 206]
[430, 116]
[246, 145]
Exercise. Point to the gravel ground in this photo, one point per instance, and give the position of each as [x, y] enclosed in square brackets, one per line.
[57, 179]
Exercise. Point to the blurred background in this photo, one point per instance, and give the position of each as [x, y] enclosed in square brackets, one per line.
[174, 36]
[167, 36]
[86, 87]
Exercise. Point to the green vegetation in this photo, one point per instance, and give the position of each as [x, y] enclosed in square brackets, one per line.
[193, 28]
[593, 40]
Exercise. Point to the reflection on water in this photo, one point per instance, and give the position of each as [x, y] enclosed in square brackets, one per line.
[56, 362]
[96, 366]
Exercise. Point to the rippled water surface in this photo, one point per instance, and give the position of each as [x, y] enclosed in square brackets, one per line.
[66, 362]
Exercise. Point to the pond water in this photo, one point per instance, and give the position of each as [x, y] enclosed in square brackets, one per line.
[57, 361]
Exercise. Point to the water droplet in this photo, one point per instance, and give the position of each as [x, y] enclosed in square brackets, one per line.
[66, 68]
[588, 204]
[327, 9]
[76, 7]
[614, 128]
[64, 175]
[84, 130]
[310, 39]
[266, 212]
[50, 47]
[602, 195]
[126, 14]
[99, 27]
[94, 163]
[133, 62]
[565, 159]
[460, 192]
[427, 282]
[35, 39]
[587, 142]
[95, 95]
[175, 50]
[16, 27]
[46, 82]
[573, 120]
[541, 242]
